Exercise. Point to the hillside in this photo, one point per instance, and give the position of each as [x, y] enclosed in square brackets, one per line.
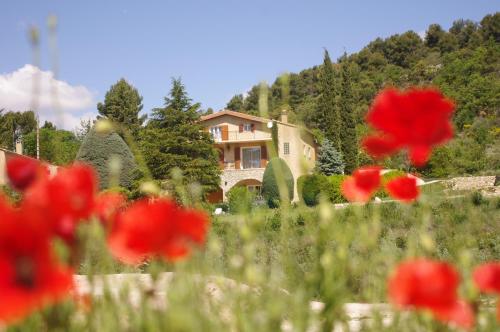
[464, 62]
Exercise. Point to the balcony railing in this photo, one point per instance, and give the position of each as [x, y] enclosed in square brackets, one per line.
[240, 136]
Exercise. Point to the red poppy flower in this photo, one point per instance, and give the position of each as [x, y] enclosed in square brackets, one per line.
[22, 172]
[417, 120]
[424, 284]
[363, 183]
[65, 199]
[156, 228]
[403, 188]
[30, 277]
[107, 204]
[460, 314]
[487, 277]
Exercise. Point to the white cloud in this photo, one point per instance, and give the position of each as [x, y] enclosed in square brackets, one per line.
[16, 94]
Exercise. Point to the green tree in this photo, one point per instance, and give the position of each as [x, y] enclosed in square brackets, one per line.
[111, 158]
[330, 160]
[174, 138]
[433, 35]
[122, 104]
[14, 125]
[349, 142]
[57, 146]
[327, 118]
[236, 103]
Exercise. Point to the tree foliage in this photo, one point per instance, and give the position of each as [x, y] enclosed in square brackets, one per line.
[122, 104]
[463, 62]
[328, 118]
[105, 151]
[14, 125]
[330, 160]
[57, 146]
[173, 138]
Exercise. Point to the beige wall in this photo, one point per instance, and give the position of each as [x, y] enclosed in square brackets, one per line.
[299, 160]
[3, 175]
[233, 123]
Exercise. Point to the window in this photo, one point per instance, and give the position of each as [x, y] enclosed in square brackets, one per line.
[286, 148]
[247, 127]
[216, 133]
[250, 157]
[256, 189]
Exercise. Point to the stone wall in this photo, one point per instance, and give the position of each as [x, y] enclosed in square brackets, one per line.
[231, 177]
[471, 182]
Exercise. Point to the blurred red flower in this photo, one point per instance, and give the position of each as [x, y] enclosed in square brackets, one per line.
[487, 277]
[30, 277]
[403, 188]
[363, 183]
[23, 171]
[417, 120]
[107, 204]
[460, 314]
[65, 199]
[156, 228]
[423, 283]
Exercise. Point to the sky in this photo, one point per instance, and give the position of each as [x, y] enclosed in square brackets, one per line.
[219, 48]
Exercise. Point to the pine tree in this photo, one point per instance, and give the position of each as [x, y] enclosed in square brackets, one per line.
[349, 144]
[174, 138]
[122, 104]
[327, 118]
[330, 159]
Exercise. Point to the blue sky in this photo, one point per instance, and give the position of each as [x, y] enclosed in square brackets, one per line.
[219, 48]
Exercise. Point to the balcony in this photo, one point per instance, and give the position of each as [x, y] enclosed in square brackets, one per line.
[244, 136]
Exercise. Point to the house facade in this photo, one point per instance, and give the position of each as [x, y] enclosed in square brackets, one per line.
[242, 141]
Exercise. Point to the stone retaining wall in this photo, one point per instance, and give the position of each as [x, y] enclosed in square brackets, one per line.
[471, 182]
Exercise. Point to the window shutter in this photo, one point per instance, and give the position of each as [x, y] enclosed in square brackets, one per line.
[253, 127]
[225, 133]
[241, 127]
[263, 156]
[237, 157]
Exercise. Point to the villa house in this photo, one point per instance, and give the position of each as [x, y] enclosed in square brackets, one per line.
[242, 143]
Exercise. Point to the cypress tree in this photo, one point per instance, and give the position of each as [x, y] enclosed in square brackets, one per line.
[98, 149]
[329, 159]
[327, 118]
[349, 144]
[122, 105]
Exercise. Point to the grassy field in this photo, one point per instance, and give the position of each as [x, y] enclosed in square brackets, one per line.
[278, 261]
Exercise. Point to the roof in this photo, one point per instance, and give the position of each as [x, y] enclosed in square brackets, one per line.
[246, 117]
[251, 118]
[236, 114]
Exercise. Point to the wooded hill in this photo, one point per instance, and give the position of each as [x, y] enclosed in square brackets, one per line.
[464, 62]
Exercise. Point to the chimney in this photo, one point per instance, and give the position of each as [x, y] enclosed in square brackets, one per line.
[284, 116]
[19, 146]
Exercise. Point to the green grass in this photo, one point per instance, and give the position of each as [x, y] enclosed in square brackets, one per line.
[289, 257]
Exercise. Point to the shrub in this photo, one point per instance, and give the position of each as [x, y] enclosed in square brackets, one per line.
[333, 192]
[240, 199]
[311, 187]
[270, 190]
[99, 149]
